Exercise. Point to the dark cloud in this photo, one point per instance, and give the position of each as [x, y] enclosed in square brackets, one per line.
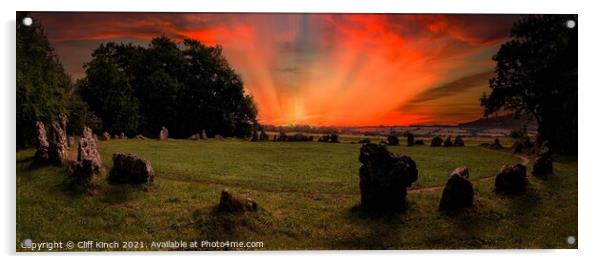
[452, 88]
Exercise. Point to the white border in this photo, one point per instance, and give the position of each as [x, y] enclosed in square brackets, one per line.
[589, 124]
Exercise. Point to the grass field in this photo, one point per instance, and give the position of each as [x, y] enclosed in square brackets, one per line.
[307, 193]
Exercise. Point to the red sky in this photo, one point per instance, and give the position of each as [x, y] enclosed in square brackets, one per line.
[321, 69]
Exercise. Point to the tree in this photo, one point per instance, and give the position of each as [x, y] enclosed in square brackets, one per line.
[536, 75]
[107, 90]
[42, 85]
[187, 87]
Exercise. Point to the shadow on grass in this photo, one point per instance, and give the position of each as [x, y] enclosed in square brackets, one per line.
[117, 194]
[376, 229]
[226, 226]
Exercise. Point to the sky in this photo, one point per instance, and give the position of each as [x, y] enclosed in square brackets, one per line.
[321, 69]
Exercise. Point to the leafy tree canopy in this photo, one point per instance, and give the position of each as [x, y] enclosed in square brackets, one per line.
[186, 87]
[536, 75]
[43, 87]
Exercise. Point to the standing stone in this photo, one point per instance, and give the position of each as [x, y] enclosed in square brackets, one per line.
[263, 136]
[122, 136]
[233, 204]
[88, 162]
[164, 134]
[392, 140]
[436, 141]
[496, 144]
[511, 179]
[63, 122]
[130, 169]
[255, 136]
[203, 135]
[57, 149]
[543, 163]
[334, 138]
[458, 192]
[410, 139]
[105, 136]
[384, 178]
[458, 141]
[41, 156]
[448, 142]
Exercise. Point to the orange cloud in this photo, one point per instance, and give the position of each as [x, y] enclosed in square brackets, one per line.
[320, 69]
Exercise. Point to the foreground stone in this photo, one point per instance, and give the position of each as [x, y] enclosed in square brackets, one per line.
[436, 141]
[458, 192]
[130, 169]
[228, 202]
[543, 163]
[163, 134]
[89, 162]
[511, 179]
[41, 156]
[57, 148]
[384, 178]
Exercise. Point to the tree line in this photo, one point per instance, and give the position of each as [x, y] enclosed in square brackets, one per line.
[187, 87]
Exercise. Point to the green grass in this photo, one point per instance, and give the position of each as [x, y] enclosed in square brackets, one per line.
[307, 192]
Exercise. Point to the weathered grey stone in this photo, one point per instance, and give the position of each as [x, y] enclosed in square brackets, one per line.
[436, 141]
[511, 179]
[140, 137]
[255, 136]
[122, 136]
[384, 178]
[88, 162]
[57, 150]
[458, 141]
[543, 163]
[105, 136]
[458, 192]
[392, 140]
[163, 134]
[41, 156]
[228, 202]
[263, 136]
[448, 142]
[410, 139]
[130, 169]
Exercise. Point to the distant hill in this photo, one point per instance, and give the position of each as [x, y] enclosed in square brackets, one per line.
[505, 121]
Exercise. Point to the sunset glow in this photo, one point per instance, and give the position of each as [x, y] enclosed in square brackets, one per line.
[321, 69]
